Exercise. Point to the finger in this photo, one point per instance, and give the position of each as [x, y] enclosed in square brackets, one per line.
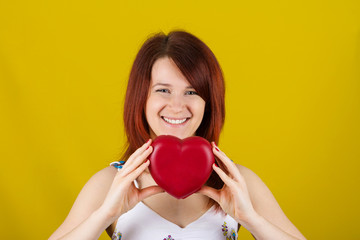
[136, 173]
[149, 191]
[220, 154]
[230, 165]
[137, 161]
[210, 192]
[226, 179]
[139, 151]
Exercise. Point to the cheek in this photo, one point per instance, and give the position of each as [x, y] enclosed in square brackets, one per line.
[148, 109]
[199, 108]
[153, 106]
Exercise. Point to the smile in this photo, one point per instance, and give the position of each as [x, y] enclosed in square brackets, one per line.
[174, 121]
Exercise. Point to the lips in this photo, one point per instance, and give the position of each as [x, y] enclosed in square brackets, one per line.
[175, 121]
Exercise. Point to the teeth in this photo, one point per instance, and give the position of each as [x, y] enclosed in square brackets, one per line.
[173, 121]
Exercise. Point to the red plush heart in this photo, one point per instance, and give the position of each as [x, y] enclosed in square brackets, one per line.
[181, 167]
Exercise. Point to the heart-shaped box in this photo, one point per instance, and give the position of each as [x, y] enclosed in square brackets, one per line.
[181, 167]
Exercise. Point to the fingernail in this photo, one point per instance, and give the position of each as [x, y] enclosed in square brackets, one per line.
[148, 140]
[147, 148]
[216, 165]
[217, 149]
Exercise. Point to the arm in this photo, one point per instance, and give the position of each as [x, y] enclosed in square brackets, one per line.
[105, 197]
[247, 199]
[85, 212]
[270, 221]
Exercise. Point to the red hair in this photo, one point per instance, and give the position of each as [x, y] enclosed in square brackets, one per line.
[199, 66]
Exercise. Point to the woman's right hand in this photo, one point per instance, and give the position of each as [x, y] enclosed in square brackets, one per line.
[123, 195]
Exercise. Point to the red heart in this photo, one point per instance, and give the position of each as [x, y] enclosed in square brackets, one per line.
[181, 167]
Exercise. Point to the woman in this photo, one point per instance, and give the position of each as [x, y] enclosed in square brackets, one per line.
[175, 88]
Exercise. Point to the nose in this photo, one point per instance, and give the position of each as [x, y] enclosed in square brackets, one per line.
[177, 103]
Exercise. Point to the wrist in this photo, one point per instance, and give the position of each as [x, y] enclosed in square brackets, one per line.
[106, 216]
[261, 228]
[251, 221]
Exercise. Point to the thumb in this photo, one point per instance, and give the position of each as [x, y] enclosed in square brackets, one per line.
[210, 192]
[149, 191]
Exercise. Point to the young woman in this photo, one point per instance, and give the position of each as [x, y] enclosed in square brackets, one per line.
[176, 87]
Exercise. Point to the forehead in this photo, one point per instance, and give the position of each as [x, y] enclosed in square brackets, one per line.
[165, 71]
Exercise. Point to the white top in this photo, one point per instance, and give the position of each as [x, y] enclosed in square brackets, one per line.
[142, 223]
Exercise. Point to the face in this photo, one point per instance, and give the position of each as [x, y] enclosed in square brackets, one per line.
[173, 106]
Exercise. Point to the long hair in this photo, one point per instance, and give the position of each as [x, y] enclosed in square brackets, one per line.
[199, 66]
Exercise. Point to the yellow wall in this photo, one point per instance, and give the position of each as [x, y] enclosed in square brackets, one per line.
[293, 101]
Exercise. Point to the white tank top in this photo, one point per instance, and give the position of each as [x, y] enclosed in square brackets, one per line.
[142, 223]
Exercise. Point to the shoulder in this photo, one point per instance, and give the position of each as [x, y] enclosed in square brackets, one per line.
[260, 194]
[103, 177]
[262, 198]
[89, 199]
[249, 176]
[265, 203]
[94, 191]
[243, 169]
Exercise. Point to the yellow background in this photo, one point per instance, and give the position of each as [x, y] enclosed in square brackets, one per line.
[293, 101]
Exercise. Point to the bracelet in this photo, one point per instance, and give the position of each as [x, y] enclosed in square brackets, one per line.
[118, 164]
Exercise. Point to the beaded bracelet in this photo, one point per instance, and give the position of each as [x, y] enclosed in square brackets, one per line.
[118, 164]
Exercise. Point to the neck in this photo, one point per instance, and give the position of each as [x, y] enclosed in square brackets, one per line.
[196, 201]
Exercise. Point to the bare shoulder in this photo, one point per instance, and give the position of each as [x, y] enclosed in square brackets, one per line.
[103, 177]
[89, 199]
[94, 191]
[246, 171]
[250, 176]
[265, 203]
[256, 187]
[260, 194]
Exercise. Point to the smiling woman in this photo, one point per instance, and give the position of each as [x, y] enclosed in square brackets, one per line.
[173, 106]
[175, 88]
[184, 58]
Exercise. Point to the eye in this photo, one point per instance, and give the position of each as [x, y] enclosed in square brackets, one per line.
[162, 90]
[191, 93]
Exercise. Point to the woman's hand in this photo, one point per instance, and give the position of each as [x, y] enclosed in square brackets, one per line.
[234, 197]
[123, 195]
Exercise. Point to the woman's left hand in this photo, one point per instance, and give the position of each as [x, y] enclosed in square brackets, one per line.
[234, 197]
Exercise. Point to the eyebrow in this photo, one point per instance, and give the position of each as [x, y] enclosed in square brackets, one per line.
[167, 85]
